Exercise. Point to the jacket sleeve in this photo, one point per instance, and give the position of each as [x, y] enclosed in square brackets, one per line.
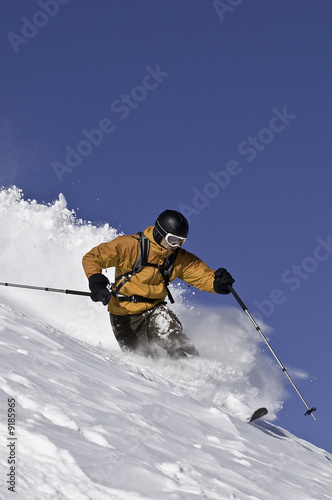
[100, 257]
[120, 253]
[194, 271]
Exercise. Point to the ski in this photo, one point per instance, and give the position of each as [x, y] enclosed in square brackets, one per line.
[261, 412]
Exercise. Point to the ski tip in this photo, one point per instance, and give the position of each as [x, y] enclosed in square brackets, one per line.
[260, 412]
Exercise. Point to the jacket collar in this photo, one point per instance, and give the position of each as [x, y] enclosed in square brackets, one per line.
[157, 249]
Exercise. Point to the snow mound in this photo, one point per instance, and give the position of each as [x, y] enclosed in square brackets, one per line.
[43, 245]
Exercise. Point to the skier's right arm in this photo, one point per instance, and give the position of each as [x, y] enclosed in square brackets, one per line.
[100, 257]
[120, 253]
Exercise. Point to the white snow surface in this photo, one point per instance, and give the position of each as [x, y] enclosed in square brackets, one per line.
[93, 423]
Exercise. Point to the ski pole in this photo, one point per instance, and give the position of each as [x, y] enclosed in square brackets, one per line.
[309, 410]
[47, 289]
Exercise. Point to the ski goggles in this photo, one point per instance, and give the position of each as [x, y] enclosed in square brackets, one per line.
[174, 241]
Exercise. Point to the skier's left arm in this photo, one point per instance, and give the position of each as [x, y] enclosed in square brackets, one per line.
[195, 272]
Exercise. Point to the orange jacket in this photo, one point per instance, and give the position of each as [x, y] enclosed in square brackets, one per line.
[122, 253]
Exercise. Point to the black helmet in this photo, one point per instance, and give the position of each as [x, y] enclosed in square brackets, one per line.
[170, 221]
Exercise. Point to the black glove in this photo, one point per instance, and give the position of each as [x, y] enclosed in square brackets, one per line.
[99, 293]
[222, 280]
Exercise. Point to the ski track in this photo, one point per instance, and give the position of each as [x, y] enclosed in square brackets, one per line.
[96, 425]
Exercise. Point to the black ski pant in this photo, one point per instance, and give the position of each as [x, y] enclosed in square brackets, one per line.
[159, 325]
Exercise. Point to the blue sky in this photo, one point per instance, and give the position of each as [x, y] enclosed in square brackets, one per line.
[218, 109]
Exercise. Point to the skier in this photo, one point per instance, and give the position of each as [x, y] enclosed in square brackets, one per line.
[144, 264]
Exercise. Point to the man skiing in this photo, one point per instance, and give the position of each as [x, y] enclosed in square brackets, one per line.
[144, 264]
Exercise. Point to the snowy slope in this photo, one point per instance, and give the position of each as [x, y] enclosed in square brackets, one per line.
[93, 423]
